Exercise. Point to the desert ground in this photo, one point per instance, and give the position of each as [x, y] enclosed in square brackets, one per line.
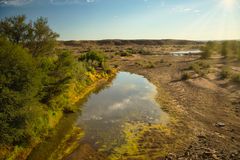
[203, 108]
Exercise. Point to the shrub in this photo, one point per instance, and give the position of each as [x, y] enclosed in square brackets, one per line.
[236, 78]
[200, 67]
[124, 53]
[145, 64]
[225, 73]
[20, 83]
[195, 67]
[93, 57]
[224, 49]
[144, 52]
[208, 50]
[204, 64]
[106, 68]
[185, 76]
[150, 65]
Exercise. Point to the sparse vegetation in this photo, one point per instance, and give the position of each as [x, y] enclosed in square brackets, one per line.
[145, 64]
[200, 67]
[236, 78]
[225, 73]
[186, 76]
[208, 50]
[224, 48]
[124, 53]
[143, 51]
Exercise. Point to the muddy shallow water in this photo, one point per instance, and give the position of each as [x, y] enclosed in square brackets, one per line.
[128, 99]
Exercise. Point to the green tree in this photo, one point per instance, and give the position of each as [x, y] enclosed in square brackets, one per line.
[19, 85]
[14, 28]
[41, 37]
[36, 36]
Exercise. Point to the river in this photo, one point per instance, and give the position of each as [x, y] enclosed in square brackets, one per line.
[128, 99]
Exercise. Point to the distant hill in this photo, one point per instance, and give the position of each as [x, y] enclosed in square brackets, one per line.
[118, 42]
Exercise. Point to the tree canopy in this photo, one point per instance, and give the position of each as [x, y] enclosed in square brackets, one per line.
[37, 36]
[19, 84]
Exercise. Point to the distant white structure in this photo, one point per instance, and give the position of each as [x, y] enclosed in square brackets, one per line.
[186, 53]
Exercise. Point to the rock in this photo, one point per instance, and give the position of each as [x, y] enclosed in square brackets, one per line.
[220, 124]
[214, 156]
[170, 156]
[201, 136]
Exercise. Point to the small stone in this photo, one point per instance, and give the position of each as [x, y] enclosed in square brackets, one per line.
[220, 124]
[214, 156]
[201, 136]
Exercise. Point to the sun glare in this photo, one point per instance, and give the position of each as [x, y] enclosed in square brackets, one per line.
[229, 4]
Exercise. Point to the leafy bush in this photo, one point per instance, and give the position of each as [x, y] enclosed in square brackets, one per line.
[200, 67]
[19, 85]
[93, 57]
[225, 73]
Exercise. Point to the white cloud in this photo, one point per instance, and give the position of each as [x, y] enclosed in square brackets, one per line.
[187, 9]
[184, 9]
[62, 2]
[120, 105]
[197, 11]
[14, 2]
[129, 87]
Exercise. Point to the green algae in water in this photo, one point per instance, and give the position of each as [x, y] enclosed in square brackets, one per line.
[129, 100]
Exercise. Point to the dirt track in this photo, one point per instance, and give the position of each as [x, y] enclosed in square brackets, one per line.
[207, 122]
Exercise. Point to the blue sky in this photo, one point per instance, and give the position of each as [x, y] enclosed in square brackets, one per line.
[133, 19]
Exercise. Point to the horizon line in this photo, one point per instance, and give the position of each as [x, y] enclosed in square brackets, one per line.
[147, 39]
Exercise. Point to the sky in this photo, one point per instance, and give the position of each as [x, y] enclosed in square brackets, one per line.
[133, 19]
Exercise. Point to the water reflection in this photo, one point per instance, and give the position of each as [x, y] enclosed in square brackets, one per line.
[129, 99]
